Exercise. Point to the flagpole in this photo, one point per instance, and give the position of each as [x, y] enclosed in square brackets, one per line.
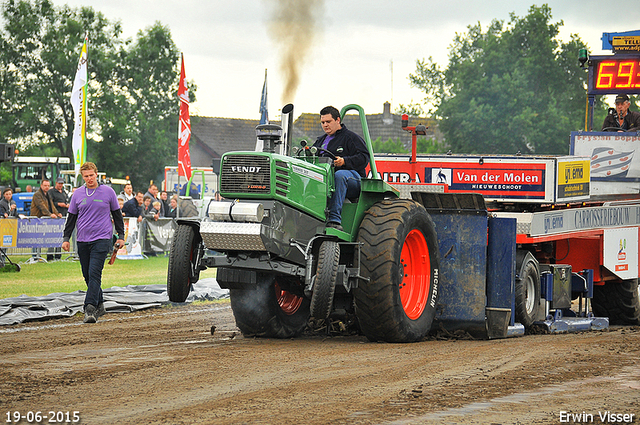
[179, 126]
[79, 104]
[184, 127]
[84, 104]
[264, 113]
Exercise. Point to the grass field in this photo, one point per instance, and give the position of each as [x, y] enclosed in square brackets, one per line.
[65, 276]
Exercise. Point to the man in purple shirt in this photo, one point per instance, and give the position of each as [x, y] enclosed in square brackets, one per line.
[91, 209]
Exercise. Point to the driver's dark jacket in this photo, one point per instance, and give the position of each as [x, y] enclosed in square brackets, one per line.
[349, 146]
[631, 121]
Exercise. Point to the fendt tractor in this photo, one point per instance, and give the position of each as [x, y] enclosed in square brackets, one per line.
[491, 245]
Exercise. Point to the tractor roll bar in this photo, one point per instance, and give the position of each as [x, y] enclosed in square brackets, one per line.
[365, 132]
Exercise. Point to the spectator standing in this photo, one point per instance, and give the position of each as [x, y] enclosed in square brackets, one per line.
[172, 211]
[121, 202]
[153, 210]
[133, 207]
[7, 204]
[164, 198]
[127, 192]
[60, 200]
[42, 206]
[59, 197]
[153, 193]
[146, 204]
[91, 210]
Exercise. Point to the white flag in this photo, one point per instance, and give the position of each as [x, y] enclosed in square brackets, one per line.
[79, 104]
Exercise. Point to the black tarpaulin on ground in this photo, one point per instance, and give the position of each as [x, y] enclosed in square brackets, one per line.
[116, 300]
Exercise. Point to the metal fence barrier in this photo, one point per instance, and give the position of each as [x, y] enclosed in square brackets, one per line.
[36, 236]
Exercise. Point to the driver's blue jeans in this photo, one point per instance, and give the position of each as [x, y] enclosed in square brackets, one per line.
[347, 186]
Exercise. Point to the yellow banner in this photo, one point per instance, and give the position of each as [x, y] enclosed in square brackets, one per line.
[628, 43]
[573, 178]
[9, 232]
[571, 172]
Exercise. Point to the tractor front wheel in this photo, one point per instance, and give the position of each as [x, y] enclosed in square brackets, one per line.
[184, 262]
[401, 259]
[267, 310]
[325, 284]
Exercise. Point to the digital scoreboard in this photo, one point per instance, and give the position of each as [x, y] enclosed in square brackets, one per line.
[614, 74]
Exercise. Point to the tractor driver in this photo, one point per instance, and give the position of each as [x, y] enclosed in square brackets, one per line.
[351, 158]
[622, 119]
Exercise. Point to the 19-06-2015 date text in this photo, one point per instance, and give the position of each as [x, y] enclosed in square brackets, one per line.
[46, 417]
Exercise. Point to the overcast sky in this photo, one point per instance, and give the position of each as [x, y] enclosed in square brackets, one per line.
[228, 44]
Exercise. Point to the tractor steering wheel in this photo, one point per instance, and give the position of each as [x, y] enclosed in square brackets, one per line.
[331, 155]
[612, 129]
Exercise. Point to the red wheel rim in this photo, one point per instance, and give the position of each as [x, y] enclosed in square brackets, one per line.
[416, 281]
[288, 302]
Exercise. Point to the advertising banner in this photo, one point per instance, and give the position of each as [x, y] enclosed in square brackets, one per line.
[496, 178]
[140, 237]
[159, 234]
[615, 167]
[40, 232]
[9, 232]
[133, 248]
[621, 252]
[573, 179]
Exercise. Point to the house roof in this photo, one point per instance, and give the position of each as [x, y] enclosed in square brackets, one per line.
[216, 136]
[221, 135]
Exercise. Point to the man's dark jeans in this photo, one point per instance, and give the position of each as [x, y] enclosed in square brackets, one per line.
[92, 256]
[347, 186]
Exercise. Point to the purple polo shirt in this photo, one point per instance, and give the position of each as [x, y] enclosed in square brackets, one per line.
[93, 207]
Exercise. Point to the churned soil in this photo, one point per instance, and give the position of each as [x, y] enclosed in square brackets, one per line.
[189, 364]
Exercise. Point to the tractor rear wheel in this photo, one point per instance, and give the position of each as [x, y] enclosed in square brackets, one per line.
[619, 301]
[184, 262]
[400, 257]
[267, 310]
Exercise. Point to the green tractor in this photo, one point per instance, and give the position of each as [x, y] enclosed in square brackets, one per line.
[283, 265]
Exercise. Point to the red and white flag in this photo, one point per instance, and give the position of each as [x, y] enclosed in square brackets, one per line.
[184, 127]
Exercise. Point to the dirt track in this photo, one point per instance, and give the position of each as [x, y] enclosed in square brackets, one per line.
[163, 366]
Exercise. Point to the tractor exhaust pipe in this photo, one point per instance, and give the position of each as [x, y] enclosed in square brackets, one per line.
[287, 129]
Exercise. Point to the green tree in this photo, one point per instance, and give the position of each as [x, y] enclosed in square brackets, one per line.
[412, 109]
[423, 145]
[429, 146]
[39, 56]
[512, 88]
[132, 96]
[139, 135]
[389, 146]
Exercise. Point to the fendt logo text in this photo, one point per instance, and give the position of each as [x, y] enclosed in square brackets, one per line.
[245, 169]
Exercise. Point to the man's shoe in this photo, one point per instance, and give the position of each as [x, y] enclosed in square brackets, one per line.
[335, 225]
[100, 311]
[90, 314]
